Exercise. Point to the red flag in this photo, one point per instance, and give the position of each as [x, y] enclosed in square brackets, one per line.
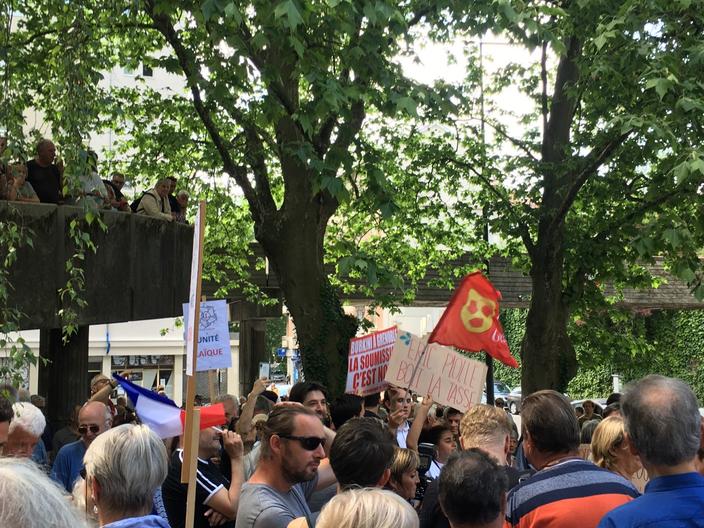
[210, 415]
[471, 320]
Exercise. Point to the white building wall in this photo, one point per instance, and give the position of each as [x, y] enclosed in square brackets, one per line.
[137, 339]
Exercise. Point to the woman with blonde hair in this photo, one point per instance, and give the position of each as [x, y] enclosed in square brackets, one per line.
[404, 473]
[609, 449]
[367, 508]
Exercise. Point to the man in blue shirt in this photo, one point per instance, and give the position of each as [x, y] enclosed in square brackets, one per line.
[664, 428]
[93, 419]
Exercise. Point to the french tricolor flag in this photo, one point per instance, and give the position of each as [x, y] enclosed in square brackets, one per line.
[162, 415]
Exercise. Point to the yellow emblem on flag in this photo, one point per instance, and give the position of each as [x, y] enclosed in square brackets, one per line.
[478, 313]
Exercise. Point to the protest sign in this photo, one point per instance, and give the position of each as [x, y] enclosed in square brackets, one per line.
[213, 335]
[194, 291]
[368, 360]
[448, 376]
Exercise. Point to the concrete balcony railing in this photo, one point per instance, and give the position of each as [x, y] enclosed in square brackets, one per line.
[141, 269]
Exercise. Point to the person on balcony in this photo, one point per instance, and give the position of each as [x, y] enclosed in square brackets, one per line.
[45, 175]
[155, 202]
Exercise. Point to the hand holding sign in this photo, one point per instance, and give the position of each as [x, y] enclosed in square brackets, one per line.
[448, 377]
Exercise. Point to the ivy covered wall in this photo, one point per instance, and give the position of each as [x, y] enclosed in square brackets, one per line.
[664, 342]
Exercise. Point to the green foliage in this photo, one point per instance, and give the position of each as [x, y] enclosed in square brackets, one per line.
[275, 330]
[667, 342]
[13, 235]
[304, 107]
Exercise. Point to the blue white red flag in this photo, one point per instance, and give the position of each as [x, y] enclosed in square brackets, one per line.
[162, 415]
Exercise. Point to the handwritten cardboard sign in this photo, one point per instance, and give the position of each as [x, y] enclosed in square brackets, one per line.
[368, 360]
[448, 376]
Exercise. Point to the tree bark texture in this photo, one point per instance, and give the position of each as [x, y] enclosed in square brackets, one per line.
[323, 330]
[548, 357]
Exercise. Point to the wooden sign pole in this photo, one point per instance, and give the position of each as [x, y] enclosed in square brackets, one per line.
[192, 423]
[192, 467]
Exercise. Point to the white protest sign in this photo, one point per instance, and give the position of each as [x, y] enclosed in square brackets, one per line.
[368, 360]
[193, 292]
[448, 376]
[213, 335]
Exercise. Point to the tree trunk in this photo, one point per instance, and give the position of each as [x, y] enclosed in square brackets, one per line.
[548, 358]
[322, 328]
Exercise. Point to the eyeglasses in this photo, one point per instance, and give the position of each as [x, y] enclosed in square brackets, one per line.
[309, 443]
[83, 429]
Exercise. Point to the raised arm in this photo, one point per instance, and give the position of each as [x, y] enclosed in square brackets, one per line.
[418, 422]
[244, 424]
[226, 501]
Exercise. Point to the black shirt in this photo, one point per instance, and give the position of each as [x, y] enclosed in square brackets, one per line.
[45, 180]
[173, 202]
[209, 482]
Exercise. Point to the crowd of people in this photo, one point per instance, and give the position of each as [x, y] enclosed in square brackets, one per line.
[382, 461]
[41, 180]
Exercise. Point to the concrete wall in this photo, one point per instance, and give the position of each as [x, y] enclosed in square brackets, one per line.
[141, 269]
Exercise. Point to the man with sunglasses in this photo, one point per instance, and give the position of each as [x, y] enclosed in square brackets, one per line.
[94, 419]
[293, 464]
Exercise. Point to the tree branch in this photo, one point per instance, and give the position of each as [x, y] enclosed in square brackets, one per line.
[592, 162]
[556, 135]
[46, 32]
[544, 80]
[348, 130]
[644, 208]
[614, 226]
[190, 69]
[514, 141]
[521, 226]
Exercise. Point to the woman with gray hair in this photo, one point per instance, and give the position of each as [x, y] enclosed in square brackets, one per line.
[25, 431]
[28, 499]
[124, 467]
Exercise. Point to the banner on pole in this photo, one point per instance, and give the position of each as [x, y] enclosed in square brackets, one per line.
[471, 320]
[448, 376]
[213, 335]
[368, 360]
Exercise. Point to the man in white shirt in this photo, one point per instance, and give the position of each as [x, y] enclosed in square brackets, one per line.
[398, 403]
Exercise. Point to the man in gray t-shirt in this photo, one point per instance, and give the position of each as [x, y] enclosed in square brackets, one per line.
[292, 465]
[265, 507]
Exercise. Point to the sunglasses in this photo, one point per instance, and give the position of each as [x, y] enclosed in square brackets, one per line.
[309, 443]
[83, 429]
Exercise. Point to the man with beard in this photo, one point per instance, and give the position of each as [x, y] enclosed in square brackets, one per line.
[292, 465]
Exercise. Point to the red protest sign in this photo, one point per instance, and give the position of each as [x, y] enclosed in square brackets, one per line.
[368, 360]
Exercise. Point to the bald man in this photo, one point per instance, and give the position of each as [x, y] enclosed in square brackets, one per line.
[93, 420]
[44, 175]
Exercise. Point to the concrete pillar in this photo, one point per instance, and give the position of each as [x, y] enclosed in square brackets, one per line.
[106, 367]
[64, 379]
[252, 350]
[34, 378]
[232, 375]
[178, 379]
